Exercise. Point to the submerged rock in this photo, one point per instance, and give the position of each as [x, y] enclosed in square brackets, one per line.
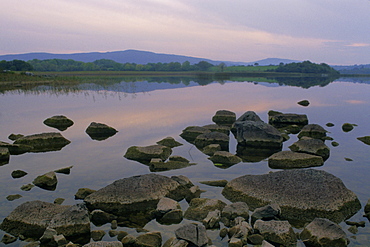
[225, 158]
[145, 154]
[44, 142]
[323, 232]
[279, 119]
[314, 131]
[48, 181]
[311, 146]
[174, 162]
[289, 160]
[216, 183]
[224, 117]
[13, 197]
[169, 142]
[18, 174]
[302, 195]
[303, 103]
[347, 127]
[59, 122]
[100, 131]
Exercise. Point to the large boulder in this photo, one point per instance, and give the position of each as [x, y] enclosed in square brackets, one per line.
[289, 160]
[199, 207]
[100, 131]
[311, 146]
[247, 116]
[145, 154]
[44, 142]
[314, 131]
[278, 232]
[135, 194]
[206, 139]
[325, 233]
[59, 122]
[224, 117]
[302, 194]
[31, 219]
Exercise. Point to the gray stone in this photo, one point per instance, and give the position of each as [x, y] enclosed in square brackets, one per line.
[255, 239]
[249, 116]
[191, 132]
[15, 149]
[289, 160]
[129, 240]
[295, 191]
[172, 217]
[266, 213]
[59, 122]
[18, 174]
[165, 205]
[121, 235]
[4, 154]
[311, 146]
[225, 158]
[174, 242]
[204, 140]
[235, 242]
[100, 131]
[195, 234]
[234, 210]
[135, 194]
[145, 154]
[48, 181]
[97, 235]
[13, 197]
[314, 131]
[83, 192]
[169, 142]
[212, 220]
[60, 240]
[31, 219]
[104, 244]
[27, 187]
[168, 211]
[99, 217]
[347, 127]
[280, 232]
[285, 119]
[224, 117]
[14, 137]
[218, 128]
[194, 192]
[364, 139]
[44, 142]
[323, 232]
[199, 207]
[211, 149]
[150, 239]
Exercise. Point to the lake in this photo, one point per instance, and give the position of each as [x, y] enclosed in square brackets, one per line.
[145, 111]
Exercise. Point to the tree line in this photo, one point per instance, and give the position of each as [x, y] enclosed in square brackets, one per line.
[15, 65]
[306, 67]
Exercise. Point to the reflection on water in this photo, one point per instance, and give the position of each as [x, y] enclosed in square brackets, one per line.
[145, 111]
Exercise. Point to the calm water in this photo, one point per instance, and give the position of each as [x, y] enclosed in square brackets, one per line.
[145, 112]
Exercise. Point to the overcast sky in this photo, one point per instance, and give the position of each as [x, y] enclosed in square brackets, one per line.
[329, 31]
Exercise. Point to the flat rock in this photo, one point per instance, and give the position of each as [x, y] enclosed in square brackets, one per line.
[149, 239]
[44, 142]
[135, 194]
[226, 158]
[314, 131]
[191, 132]
[169, 142]
[18, 174]
[290, 159]
[59, 122]
[224, 117]
[311, 146]
[323, 232]
[218, 128]
[100, 131]
[145, 154]
[199, 207]
[15, 149]
[302, 194]
[285, 119]
[204, 140]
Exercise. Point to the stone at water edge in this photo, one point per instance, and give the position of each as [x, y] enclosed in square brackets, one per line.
[145, 154]
[195, 234]
[44, 142]
[303, 103]
[280, 232]
[169, 142]
[48, 181]
[204, 140]
[311, 146]
[199, 207]
[289, 160]
[59, 122]
[224, 117]
[364, 139]
[314, 131]
[100, 131]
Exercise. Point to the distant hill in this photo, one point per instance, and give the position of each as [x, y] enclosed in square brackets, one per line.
[353, 69]
[134, 56]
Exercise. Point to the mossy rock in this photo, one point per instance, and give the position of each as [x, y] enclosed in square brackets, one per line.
[100, 131]
[59, 122]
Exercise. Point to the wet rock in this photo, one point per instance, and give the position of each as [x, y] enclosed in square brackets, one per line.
[129, 240]
[18, 174]
[285, 119]
[169, 142]
[97, 235]
[31, 219]
[104, 244]
[100, 131]
[59, 122]
[59, 201]
[303, 102]
[311, 146]
[121, 235]
[255, 239]
[8, 239]
[225, 158]
[289, 160]
[224, 117]
[347, 127]
[323, 232]
[99, 217]
[257, 134]
[314, 131]
[251, 154]
[168, 211]
[204, 140]
[135, 194]
[65, 170]
[44, 142]
[15, 149]
[150, 239]
[191, 132]
[194, 192]
[174, 242]
[266, 213]
[279, 232]
[145, 154]
[234, 210]
[83, 192]
[212, 220]
[216, 183]
[354, 223]
[14, 137]
[13, 197]
[48, 237]
[211, 149]
[294, 191]
[4, 154]
[240, 230]
[218, 128]
[364, 139]
[48, 181]
[60, 240]
[27, 187]
[199, 207]
[192, 233]
[330, 125]
[73, 223]
[335, 144]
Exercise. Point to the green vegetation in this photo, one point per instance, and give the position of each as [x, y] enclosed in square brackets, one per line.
[307, 67]
[15, 65]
